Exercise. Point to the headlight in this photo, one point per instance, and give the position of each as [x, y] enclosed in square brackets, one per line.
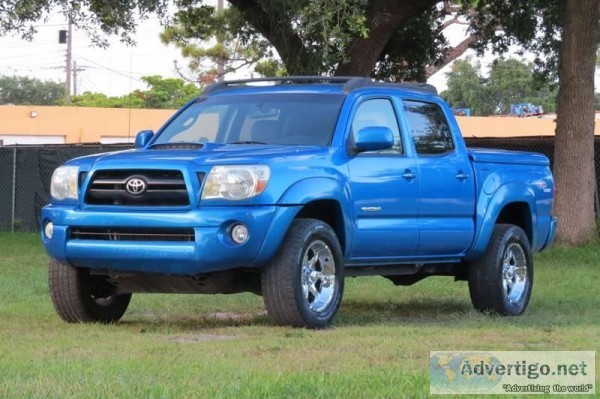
[236, 182]
[64, 183]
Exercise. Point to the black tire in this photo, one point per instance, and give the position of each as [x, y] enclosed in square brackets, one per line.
[287, 291]
[490, 281]
[80, 297]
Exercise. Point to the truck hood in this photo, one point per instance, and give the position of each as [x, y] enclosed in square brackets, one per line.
[210, 153]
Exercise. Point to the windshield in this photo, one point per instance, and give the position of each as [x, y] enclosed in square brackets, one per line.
[275, 118]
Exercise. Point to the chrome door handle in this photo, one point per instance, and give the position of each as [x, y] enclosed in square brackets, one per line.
[409, 175]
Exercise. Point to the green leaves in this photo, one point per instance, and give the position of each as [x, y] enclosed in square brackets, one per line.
[510, 81]
[96, 17]
[162, 93]
[535, 26]
[22, 90]
[208, 37]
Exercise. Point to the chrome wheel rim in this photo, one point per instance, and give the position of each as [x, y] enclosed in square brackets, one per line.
[514, 273]
[318, 276]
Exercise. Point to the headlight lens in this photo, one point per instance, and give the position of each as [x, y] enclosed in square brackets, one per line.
[64, 183]
[236, 182]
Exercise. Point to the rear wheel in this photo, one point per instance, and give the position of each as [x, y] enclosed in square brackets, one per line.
[502, 279]
[303, 285]
[78, 296]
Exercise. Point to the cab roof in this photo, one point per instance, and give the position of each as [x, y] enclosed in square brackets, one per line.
[314, 84]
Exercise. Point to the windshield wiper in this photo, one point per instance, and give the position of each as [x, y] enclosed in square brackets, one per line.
[247, 142]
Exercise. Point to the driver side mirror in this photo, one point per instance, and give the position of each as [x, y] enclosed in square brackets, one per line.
[373, 138]
[143, 138]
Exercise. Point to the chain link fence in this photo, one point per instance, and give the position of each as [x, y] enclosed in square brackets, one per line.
[25, 172]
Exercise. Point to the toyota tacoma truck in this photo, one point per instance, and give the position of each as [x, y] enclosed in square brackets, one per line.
[286, 186]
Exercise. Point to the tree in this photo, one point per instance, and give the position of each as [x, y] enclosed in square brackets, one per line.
[574, 144]
[513, 81]
[100, 100]
[510, 81]
[21, 90]
[392, 39]
[167, 93]
[162, 93]
[97, 17]
[565, 35]
[467, 89]
[233, 46]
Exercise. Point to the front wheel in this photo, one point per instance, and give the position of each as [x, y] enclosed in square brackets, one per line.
[502, 279]
[303, 285]
[78, 296]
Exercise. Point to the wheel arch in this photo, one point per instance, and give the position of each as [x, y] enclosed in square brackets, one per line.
[326, 199]
[512, 203]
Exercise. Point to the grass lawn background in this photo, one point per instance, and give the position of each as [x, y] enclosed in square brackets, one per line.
[225, 346]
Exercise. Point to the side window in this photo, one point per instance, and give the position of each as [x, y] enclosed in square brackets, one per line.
[378, 112]
[428, 128]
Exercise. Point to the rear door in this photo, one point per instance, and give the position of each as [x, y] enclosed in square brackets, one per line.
[384, 189]
[446, 184]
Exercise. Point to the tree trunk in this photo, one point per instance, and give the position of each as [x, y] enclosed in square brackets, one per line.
[574, 144]
[276, 26]
[383, 19]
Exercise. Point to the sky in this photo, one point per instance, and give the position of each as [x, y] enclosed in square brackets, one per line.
[114, 71]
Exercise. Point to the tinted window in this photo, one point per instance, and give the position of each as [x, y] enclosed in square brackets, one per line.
[275, 118]
[378, 112]
[428, 127]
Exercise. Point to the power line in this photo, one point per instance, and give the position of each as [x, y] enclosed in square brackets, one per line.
[30, 44]
[29, 55]
[112, 70]
[91, 82]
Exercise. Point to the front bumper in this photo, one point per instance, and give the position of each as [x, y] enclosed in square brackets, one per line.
[212, 249]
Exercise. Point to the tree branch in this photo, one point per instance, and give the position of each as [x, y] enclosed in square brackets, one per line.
[451, 55]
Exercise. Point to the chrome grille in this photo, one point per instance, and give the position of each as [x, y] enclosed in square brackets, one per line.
[162, 188]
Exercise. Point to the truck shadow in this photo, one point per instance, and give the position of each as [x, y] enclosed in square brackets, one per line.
[413, 311]
[352, 313]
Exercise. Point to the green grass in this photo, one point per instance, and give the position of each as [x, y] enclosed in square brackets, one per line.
[225, 346]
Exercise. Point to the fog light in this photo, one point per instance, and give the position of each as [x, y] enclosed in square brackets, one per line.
[49, 230]
[239, 234]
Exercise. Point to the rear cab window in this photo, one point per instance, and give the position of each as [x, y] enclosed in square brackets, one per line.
[428, 128]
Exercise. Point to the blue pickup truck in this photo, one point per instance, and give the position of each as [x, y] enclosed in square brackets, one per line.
[286, 186]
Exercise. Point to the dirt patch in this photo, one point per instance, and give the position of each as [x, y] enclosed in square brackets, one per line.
[232, 316]
[199, 338]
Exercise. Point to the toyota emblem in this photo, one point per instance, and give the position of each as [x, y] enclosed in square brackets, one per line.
[136, 186]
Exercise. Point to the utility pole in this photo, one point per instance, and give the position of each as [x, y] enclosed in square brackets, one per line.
[221, 61]
[76, 70]
[75, 78]
[69, 55]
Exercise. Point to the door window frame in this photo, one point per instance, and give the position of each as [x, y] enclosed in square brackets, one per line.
[411, 139]
[402, 134]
